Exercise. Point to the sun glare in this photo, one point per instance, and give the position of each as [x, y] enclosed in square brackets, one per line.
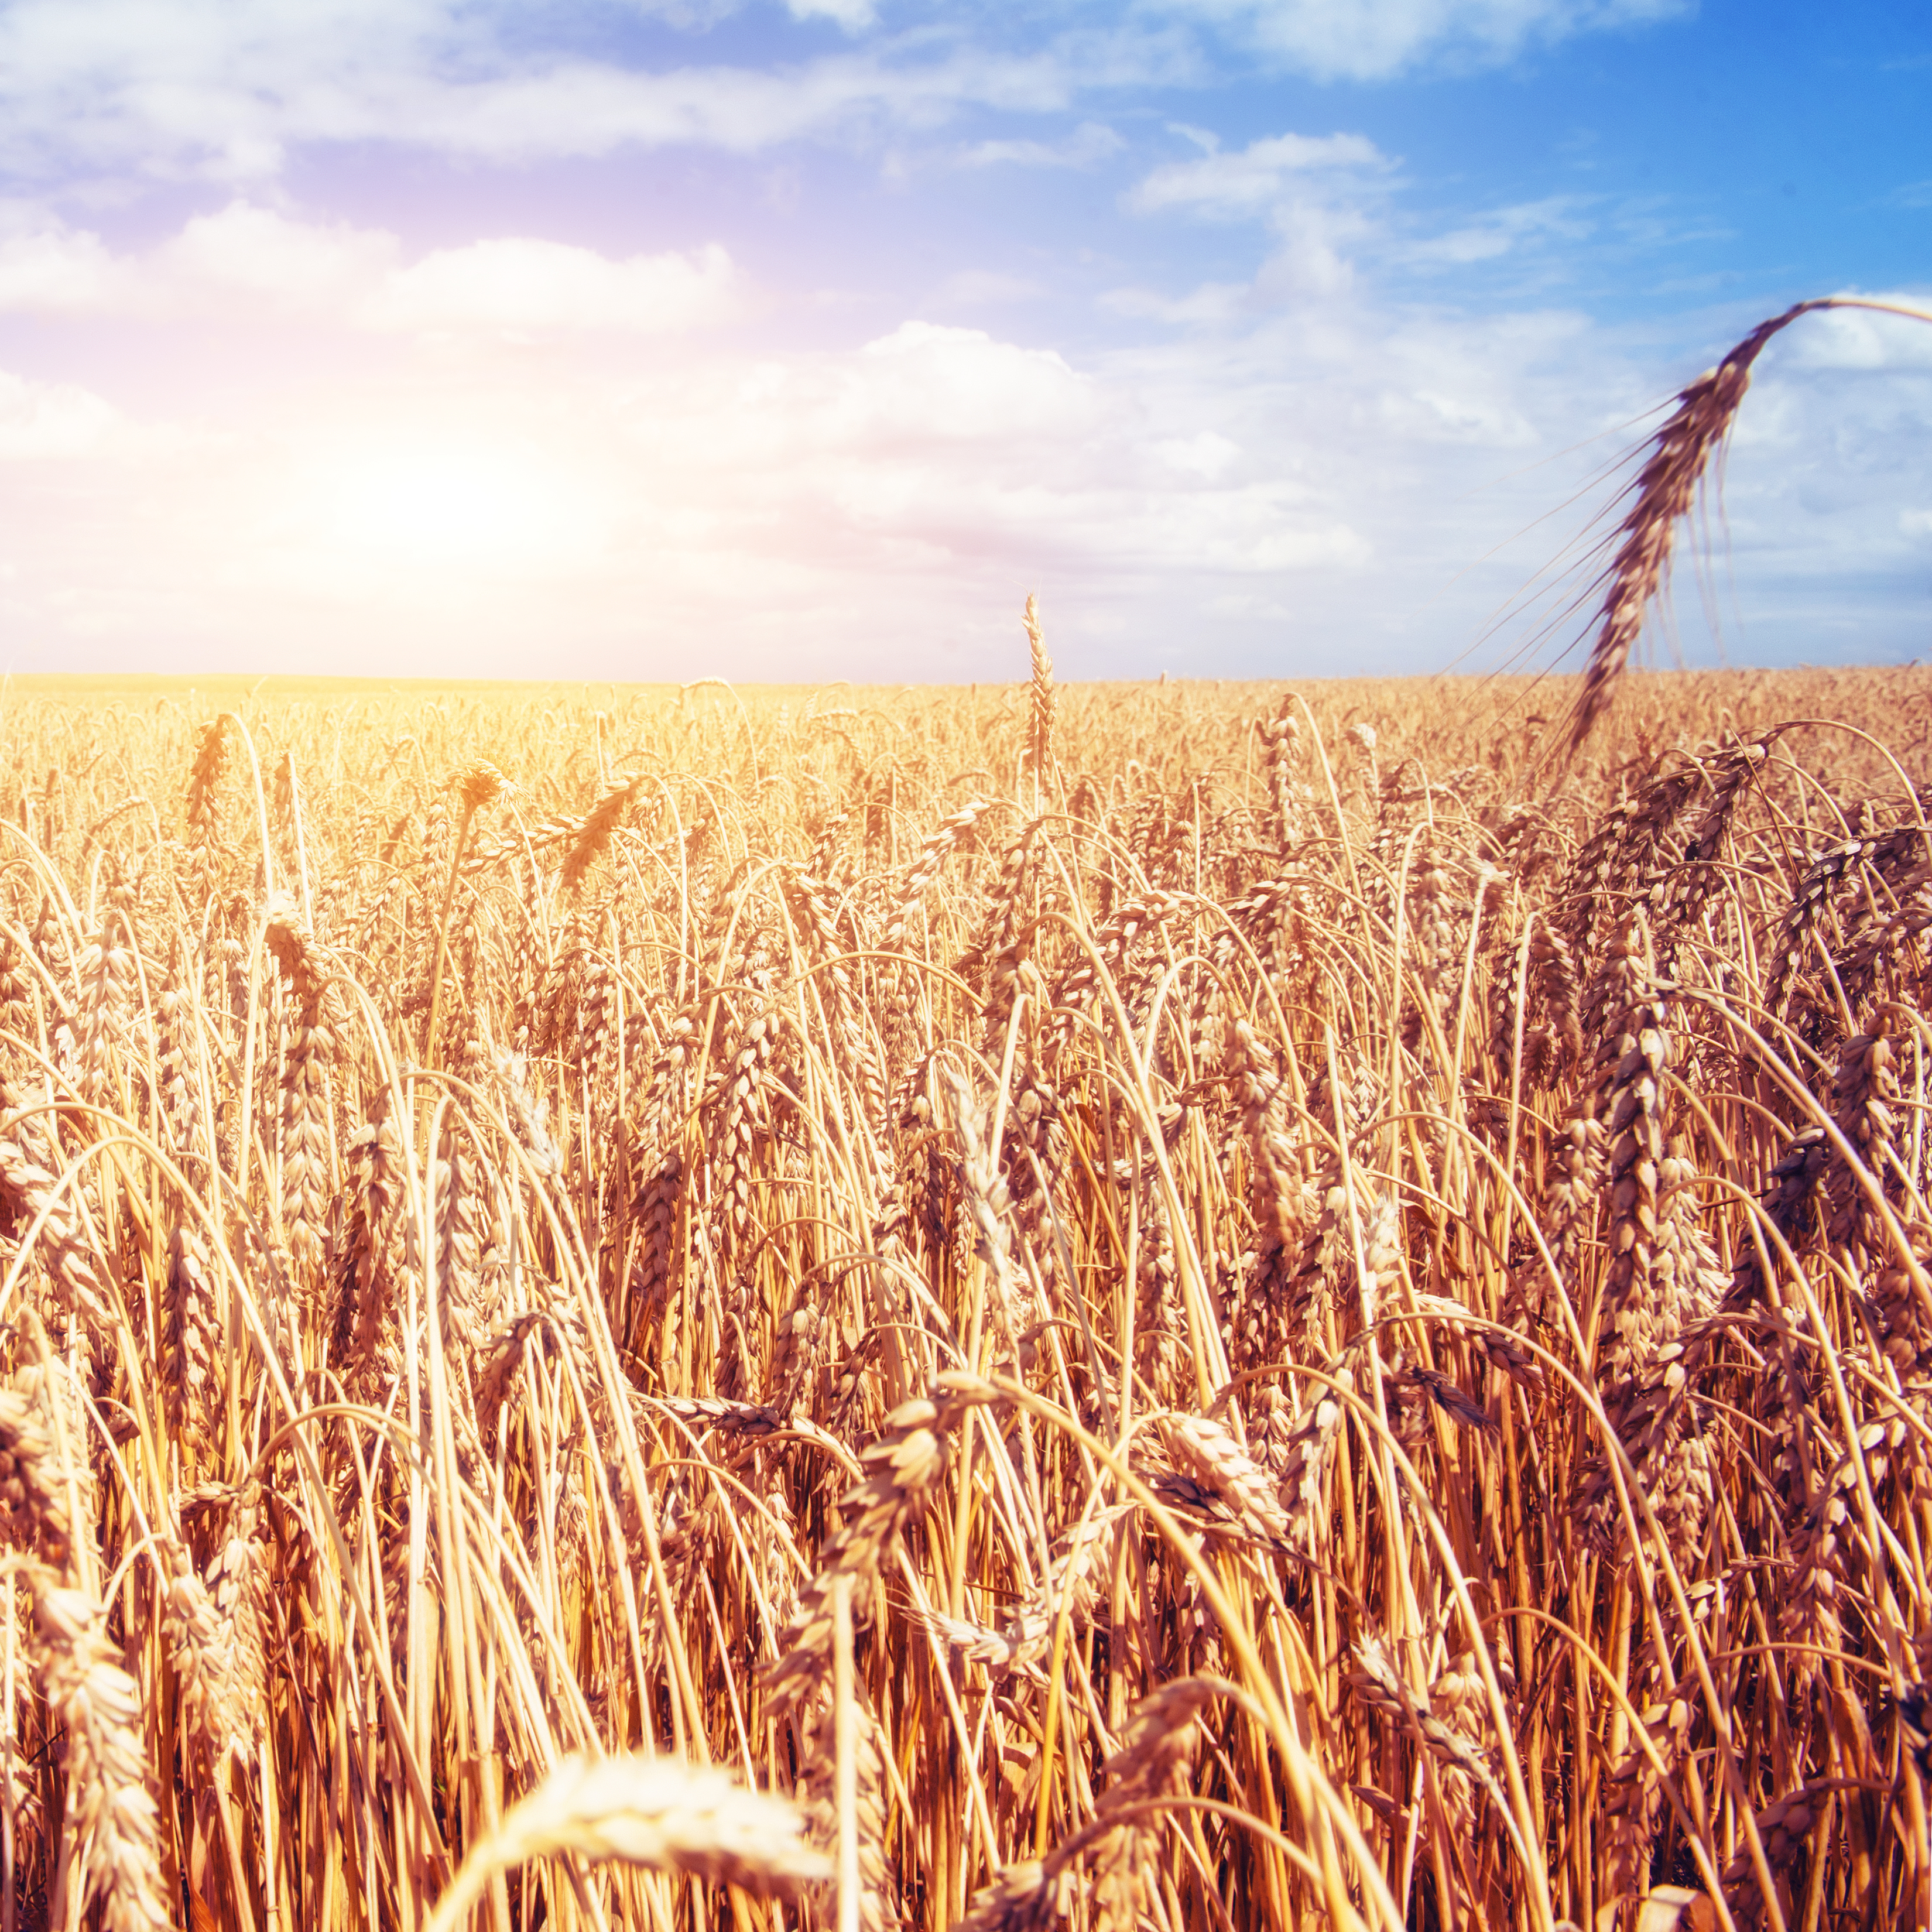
[422, 505]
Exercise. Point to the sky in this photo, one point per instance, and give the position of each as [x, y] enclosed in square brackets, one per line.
[798, 340]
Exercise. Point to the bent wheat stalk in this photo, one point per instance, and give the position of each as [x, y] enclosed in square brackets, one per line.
[1666, 486]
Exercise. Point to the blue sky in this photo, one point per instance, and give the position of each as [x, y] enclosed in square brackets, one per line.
[1260, 338]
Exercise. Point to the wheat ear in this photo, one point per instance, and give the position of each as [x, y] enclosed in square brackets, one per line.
[658, 1812]
[1039, 725]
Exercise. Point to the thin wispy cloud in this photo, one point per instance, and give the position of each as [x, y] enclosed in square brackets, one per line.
[1091, 142]
[229, 91]
[1253, 180]
[1374, 40]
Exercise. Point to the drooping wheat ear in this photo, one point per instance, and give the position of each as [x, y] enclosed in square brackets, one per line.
[1006, 937]
[1076, 1578]
[1634, 1049]
[657, 1813]
[460, 1191]
[592, 832]
[1666, 486]
[1785, 1826]
[176, 1026]
[529, 1113]
[1039, 728]
[1304, 1465]
[1206, 1453]
[1156, 1758]
[1830, 1551]
[109, 1807]
[1156, 1753]
[874, 1885]
[925, 865]
[1731, 776]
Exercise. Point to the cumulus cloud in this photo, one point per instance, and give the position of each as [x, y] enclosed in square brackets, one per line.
[529, 285]
[248, 252]
[247, 261]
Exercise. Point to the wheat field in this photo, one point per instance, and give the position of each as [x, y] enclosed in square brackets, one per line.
[1189, 1305]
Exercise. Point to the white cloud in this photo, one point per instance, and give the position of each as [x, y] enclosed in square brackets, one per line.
[526, 285]
[1252, 181]
[1372, 40]
[53, 271]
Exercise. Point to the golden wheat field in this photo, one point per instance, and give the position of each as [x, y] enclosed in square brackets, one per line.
[1187, 1306]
